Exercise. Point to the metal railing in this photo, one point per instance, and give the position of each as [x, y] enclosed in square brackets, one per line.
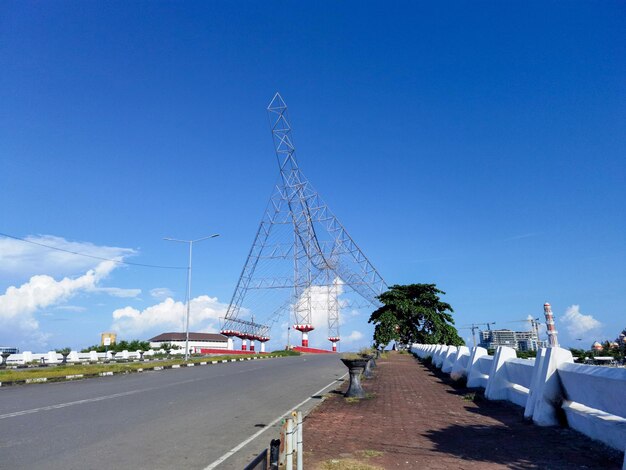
[283, 452]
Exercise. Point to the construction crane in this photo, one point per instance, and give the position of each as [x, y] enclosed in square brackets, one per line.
[534, 324]
[476, 326]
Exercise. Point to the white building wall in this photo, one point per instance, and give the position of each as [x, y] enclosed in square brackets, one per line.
[193, 344]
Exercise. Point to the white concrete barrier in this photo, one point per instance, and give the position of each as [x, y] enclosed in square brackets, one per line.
[479, 369]
[546, 393]
[498, 383]
[519, 373]
[27, 356]
[52, 357]
[595, 401]
[459, 369]
[449, 359]
[592, 397]
[440, 356]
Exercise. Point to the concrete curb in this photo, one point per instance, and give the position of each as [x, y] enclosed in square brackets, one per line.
[74, 377]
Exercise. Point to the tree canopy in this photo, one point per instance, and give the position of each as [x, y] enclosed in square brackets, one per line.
[414, 313]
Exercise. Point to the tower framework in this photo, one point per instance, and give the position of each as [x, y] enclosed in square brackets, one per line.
[301, 247]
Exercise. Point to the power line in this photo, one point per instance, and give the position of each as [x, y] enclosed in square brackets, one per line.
[90, 256]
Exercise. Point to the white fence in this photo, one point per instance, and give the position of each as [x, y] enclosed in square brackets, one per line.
[592, 397]
[52, 357]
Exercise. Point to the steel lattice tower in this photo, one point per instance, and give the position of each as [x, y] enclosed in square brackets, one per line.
[323, 259]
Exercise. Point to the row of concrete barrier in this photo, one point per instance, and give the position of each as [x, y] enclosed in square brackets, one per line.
[593, 398]
[53, 357]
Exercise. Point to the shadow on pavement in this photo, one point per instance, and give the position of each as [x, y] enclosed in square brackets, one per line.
[515, 442]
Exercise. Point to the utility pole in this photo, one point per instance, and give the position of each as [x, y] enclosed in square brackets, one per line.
[191, 242]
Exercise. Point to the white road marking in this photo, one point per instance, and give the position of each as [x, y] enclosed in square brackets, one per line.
[115, 395]
[71, 403]
[235, 449]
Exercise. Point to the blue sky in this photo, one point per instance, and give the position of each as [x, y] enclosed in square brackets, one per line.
[476, 145]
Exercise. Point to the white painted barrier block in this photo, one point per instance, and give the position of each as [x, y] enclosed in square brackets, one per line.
[73, 356]
[547, 393]
[27, 357]
[498, 381]
[459, 369]
[536, 378]
[474, 374]
[51, 358]
[93, 356]
[436, 352]
[519, 373]
[125, 354]
[440, 356]
[449, 359]
[595, 403]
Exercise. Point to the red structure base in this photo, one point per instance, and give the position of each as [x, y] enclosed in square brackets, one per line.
[230, 352]
[303, 349]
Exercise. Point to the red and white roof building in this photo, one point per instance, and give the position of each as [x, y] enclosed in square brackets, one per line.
[197, 341]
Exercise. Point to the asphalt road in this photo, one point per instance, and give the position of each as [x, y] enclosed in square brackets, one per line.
[181, 418]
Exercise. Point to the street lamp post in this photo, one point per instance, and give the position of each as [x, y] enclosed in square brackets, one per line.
[191, 242]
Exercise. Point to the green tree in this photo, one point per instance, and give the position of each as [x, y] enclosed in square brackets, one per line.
[414, 313]
[386, 330]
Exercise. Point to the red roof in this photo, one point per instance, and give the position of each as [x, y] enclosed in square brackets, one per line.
[167, 337]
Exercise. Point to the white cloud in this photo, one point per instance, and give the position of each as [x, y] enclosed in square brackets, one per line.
[117, 291]
[578, 324]
[70, 308]
[161, 293]
[18, 304]
[320, 303]
[43, 278]
[21, 260]
[170, 315]
[352, 337]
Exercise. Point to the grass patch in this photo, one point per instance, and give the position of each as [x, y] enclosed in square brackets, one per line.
[286, 353]
[53, 372]
[347, 464]
[369, 453]
[368, 396]
[469, 396]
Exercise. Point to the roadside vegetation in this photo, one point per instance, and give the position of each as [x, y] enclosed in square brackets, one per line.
[414, 313]
[88, 370]
[134, 345]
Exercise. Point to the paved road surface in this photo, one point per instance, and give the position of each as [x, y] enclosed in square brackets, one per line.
[181, 418]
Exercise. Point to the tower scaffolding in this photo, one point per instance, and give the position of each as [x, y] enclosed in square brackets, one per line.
[299, 246]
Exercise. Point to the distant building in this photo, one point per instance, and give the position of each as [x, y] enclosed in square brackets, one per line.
[197, 341]
[4, 349]
[518, 340]
[596, 346]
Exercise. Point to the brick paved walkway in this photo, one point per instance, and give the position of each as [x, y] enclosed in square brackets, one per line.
[418, 419]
